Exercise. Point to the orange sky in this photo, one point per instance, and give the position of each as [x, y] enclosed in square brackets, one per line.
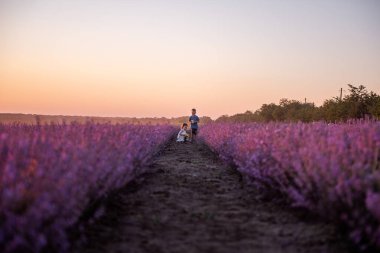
[162, 58]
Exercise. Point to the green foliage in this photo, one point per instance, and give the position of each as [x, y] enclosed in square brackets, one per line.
[359, 103]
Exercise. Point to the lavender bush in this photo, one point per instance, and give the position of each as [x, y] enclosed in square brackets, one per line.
[330, 169]
[50, 174]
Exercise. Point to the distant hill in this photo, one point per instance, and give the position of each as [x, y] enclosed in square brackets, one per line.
[45, 119]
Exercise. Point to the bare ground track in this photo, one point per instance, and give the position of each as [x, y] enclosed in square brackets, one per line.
[190, 201]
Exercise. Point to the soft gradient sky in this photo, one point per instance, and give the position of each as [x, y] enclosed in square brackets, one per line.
[161, 58]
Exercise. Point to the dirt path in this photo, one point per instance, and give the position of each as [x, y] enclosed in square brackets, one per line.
[192, 202]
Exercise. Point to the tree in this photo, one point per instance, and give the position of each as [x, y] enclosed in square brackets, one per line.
[358, 103]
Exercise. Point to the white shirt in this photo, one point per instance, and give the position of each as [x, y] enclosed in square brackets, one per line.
[181, 135]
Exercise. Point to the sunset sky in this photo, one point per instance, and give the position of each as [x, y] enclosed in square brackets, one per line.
[162, 58]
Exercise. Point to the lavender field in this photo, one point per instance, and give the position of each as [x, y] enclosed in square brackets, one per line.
[332, 170]
[52, 177]
[166, 126]
[51, 174]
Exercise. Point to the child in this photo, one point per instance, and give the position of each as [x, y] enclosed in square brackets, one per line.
[194, 119]
[183, 135]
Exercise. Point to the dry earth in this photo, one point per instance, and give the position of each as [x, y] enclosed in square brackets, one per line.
[190, 201]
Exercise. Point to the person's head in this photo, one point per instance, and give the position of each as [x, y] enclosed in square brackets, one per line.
[193, 111]
[184, 126]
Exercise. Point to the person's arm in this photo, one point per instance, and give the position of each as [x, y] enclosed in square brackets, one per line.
[183, 133]
[196, 119]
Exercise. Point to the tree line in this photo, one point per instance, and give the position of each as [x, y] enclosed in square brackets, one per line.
[358, 103]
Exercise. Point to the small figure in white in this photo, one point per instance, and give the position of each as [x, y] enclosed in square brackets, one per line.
[183, 136]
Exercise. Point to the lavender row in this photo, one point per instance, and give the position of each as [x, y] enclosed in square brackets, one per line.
[50, 174]
[330, 169]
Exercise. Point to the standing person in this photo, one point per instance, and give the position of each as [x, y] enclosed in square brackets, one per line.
[194, 119]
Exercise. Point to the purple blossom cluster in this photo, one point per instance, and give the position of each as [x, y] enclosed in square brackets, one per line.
[50, 174]
[330, 169]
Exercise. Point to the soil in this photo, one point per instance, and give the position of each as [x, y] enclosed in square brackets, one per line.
[190, 201]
